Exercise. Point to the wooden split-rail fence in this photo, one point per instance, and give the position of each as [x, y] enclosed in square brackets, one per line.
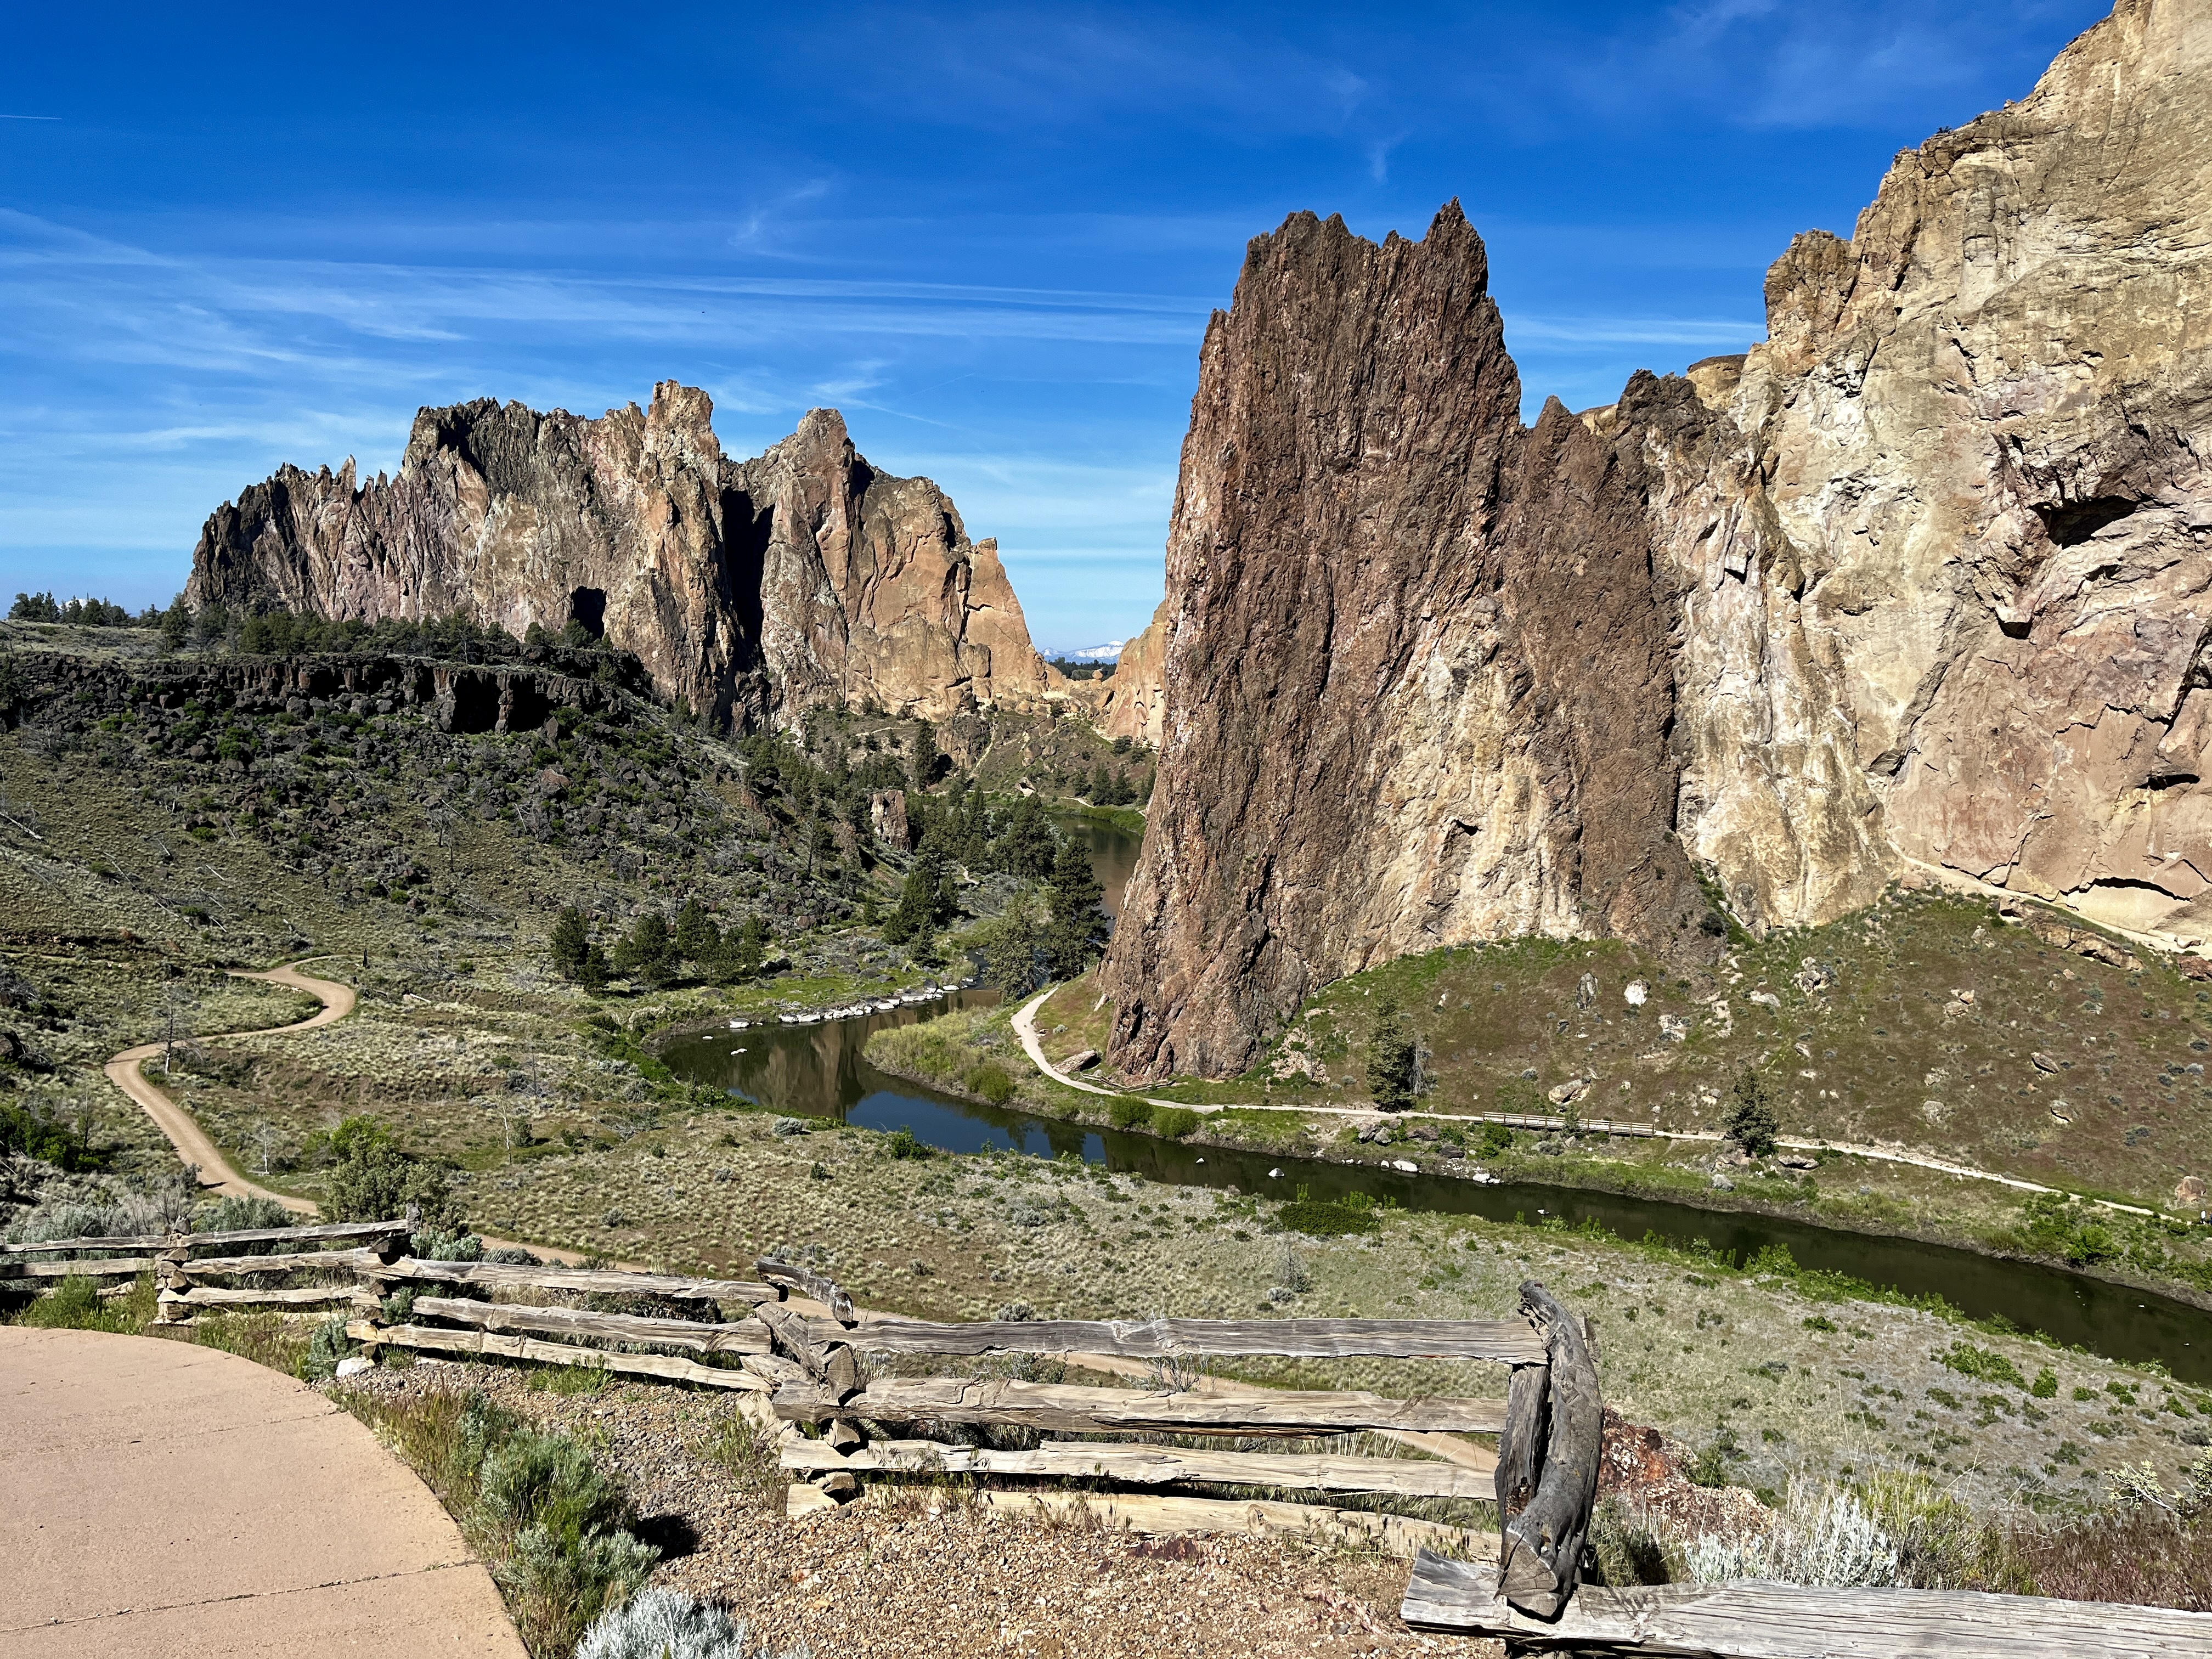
[809, 1379]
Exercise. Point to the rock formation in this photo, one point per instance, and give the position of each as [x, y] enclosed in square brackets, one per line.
[751, 590]
[1134, 702]
[1919, 582]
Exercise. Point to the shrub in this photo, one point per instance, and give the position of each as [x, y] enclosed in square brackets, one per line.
[370, 1179]
[1129, 1113]
[1822, 1534]
[665, 1624]
[553, 1525]
[902, 1144]
[236, 1214]
[1983, 1366]
[326, 1347]
[1322, 1219]
[2046, 1384]
[1174, 1121]
[75, 1305]
[1495, 1138]
[989, 1079]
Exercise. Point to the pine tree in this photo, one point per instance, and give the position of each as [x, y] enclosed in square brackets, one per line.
[1392, 1059]
[592, 974]
[570, 944]
[1009, 945]
[1099, 792]
[926, 758]
[1026, 845]
[1079, 921]
[1751, 1122]
[743, 950]
[921, 902]
[697, 939]
[646, 951]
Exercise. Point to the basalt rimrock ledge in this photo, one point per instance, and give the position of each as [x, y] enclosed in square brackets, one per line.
[1924, 581]
[752, 590]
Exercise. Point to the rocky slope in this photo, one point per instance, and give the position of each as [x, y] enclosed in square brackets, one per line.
[1919, 582]
[752, 590]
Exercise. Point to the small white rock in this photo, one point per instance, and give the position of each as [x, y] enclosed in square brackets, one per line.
[1636, 992]
[356, 1366]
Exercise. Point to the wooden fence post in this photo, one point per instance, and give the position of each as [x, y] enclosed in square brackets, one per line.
[1540, 1550]
[172, 1280]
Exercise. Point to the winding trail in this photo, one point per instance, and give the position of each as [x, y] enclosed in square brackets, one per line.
[1024, 1024]
[193, 1144]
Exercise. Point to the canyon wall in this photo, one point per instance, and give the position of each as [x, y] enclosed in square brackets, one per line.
[753, 590]
[1133, 704]
[1918, 582]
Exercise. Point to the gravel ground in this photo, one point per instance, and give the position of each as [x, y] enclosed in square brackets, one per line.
[922, 1574]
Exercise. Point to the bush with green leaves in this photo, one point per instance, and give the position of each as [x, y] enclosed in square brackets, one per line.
[1173, 1122]
[1130, 1112]
[371, 1179]
[551, 1523]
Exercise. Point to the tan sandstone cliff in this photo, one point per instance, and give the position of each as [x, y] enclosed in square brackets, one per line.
[1921, 581]
[1133, 703]
[753, 590]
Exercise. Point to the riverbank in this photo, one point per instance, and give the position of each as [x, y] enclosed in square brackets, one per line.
[1841, 1192]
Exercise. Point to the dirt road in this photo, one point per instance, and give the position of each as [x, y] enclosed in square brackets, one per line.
[191, 1141]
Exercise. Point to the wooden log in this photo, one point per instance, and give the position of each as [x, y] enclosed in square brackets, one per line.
[595, 1281]
[830, 1294]
[666, 1366]
[241, 1266]
[201, 1296]
[779, 1373]
[1170, 1515]
[120, 1267]
[1541, 1551]
[748, 1336]
[1132, 1411]
[361, 1230]
[1513, 1342]
[825, 1357]
[1521, 1444]
[1149, 1465]
[1754, 1620]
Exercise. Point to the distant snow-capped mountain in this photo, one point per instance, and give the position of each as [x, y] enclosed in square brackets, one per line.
[1109, 651]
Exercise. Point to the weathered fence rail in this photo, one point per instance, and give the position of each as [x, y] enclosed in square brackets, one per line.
[792, 1373]
[1749, 1620]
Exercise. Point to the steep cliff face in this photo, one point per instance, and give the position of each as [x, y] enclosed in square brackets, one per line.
[1920, 581]
[1418, 684]
[1133, 703]
[753, 590]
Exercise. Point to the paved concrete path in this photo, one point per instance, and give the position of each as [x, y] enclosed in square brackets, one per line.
[160, 1499]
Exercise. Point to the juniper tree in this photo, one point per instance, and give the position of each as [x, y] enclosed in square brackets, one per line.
[1079, 923]
[697, 937]
[1751, 1122]
[1393, 1059]
[570, 945]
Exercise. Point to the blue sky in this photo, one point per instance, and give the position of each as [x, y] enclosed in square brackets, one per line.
[233, 236]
